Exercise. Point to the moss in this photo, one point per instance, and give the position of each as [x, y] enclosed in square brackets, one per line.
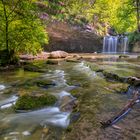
[27, 102]
[34, 68]
[45, 83]
[77, 92]
[53, 61]
[73, 60]
[138, 57]
[69, 129]
[93, 66]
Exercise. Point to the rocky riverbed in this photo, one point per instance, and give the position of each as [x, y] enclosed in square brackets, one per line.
[80, 94]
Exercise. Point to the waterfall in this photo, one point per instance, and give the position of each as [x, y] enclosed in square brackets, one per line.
[125, 44]
[115, 44]
[110, 44]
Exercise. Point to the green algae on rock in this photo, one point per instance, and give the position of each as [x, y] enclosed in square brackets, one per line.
[33, 68]
[54, 61]
[28, 102]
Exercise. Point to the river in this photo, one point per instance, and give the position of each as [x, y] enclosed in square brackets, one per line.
[98, 99]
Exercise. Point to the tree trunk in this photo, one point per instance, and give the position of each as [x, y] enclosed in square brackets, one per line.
[138, 14]
[6, 37]
[6, 27]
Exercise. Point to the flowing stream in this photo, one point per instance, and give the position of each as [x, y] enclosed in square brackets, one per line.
[98, 100]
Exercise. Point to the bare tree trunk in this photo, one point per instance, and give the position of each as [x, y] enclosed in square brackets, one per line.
[6, 27]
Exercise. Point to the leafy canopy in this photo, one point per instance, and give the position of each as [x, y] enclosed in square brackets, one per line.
[25, 32]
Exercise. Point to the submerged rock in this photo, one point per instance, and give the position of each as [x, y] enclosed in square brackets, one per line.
[74, 117]
[67, 103]
[45, 83]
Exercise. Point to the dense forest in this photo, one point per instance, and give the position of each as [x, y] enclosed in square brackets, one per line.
[23, 23]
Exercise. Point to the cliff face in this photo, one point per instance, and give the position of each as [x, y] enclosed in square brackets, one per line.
[72, 39]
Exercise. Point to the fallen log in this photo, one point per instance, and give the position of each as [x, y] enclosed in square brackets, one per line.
[127, 108]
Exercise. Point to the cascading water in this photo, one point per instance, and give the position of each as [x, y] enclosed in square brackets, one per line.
[125, 44]
[114, 44]
[110, 44]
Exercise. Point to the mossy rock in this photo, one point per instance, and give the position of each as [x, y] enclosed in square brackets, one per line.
[7, 91]
[45, 83]
[33, 68]
[93, 66]
[74, 60]
[28, 102]
[54, 61]
[138, 57]
[119, 87]
[113, 76]
[123, 56]
[77, 92]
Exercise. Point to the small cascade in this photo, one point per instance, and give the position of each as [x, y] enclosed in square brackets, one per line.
[125, 44]
[2, 87]
[115, 44]
[110, 44]
[8, 102]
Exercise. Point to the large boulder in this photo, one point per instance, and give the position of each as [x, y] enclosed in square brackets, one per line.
[58, 54]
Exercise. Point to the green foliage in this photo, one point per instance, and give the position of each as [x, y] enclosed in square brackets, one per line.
[21, 30]
[134, 37]
[28, 102]
[126, 17]
[117, 14]
[120, 15]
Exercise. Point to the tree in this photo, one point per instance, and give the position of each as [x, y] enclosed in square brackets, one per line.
[137, 6]
[21, 30]
[122, 15]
